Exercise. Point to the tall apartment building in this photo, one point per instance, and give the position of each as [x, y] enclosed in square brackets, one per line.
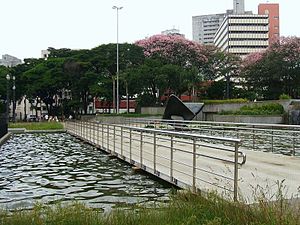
[243, 34]
[238, 6]
[9, 61]
[274, 23]
[206, 26]
[172, 32]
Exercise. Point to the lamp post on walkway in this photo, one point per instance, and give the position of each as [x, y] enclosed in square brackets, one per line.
[117, 8]
[7, 97]
[14, 99]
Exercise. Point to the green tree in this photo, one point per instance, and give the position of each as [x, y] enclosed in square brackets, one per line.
[275, 71]
[45, 81]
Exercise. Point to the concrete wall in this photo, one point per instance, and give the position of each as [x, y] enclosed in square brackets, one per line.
[248, 119]
[209, 112]
[153, 110]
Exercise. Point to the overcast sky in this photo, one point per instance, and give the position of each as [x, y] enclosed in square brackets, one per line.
[28, 26]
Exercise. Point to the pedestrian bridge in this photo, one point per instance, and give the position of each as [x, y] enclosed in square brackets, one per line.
[195, 161]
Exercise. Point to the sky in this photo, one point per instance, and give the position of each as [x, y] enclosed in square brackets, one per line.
[28, 26]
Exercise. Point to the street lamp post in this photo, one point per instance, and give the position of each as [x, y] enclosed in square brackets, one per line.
[14, 99]
[117, 8]
[7, 97]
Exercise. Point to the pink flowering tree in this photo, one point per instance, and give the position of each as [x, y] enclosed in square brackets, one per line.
[180, 68]
[274, 71]
[174, 49]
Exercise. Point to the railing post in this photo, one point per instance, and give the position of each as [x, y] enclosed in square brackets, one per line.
[154, 152]
[272, 141]
[141, 149]
[130, 145]
[194, 165]
[107, 137]
[94, 133]
[114, 151]
[171, 158]
[98, 133]
[294, 143]
[102, 131]
[236, 158]
[89, 129]
[253, 137]
[122, 141]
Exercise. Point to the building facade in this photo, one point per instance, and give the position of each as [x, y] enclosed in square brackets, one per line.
[206, 26]
[172, 32]
[272, 10]
[45, 54]
[243, 34]
[238, 6]
[9, 61]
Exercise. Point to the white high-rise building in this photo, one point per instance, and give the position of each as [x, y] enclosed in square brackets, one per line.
[243, 34]
[9, 61]
[206, 26]
[172, 32]
[238, 6]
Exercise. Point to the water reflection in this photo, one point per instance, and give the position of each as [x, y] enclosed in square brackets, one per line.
[57, 167]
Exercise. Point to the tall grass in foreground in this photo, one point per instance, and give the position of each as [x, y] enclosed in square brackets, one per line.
[183, 209]
[38, 125]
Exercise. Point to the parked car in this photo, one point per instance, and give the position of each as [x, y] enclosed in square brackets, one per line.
[32, 118]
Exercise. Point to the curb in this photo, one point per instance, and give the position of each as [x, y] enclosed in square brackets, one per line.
[5, 138]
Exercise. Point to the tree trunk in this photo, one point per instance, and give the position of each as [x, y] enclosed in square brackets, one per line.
[227, 87]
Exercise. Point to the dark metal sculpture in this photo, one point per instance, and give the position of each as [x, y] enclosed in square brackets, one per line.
[3, 125]
[175, 107]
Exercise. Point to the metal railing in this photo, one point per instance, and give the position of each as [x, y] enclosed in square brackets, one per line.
[184, 159]
[275, 138]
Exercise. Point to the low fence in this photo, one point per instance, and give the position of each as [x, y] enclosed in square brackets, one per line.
[183, 159]
[3, 125]
[283, 139]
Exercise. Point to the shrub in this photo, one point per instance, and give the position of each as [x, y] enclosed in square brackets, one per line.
[284, 97]
[226, 101]
[267, 109]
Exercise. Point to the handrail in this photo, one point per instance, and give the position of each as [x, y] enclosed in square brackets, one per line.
[213, 122]
[271, 133]
[181, 134]
[188, 135]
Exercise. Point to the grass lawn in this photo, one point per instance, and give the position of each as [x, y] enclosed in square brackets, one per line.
[183, 209]
[38, 125]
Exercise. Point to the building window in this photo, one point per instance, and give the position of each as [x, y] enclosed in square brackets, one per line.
[267, 12]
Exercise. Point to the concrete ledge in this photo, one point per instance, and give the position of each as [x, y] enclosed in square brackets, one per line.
[248, 119]
[24, 130]
[17, 130]
[5, 138]
[46, 131]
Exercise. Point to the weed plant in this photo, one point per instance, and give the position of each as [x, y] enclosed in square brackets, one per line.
[183, 209]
